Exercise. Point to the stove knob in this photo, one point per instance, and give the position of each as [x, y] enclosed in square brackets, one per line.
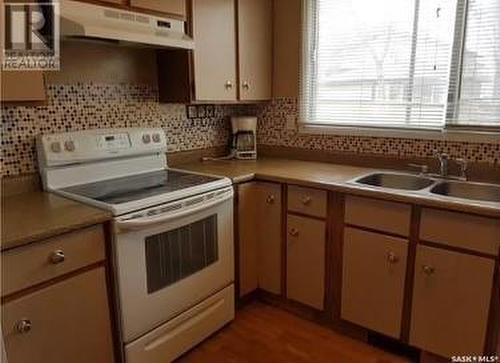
[55, 147]
[146, 138]
[156, 138]
[69, 145]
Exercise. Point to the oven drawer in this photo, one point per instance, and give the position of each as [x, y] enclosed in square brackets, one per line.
[183, 332]
[26, 266]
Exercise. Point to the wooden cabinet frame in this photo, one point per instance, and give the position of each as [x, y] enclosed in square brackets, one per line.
[125, 5]
[333, 275]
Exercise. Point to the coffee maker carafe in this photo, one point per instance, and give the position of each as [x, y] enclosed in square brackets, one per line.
[244, 137]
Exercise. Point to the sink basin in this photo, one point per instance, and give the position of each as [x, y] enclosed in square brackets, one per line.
[472, 191]
[395, 181]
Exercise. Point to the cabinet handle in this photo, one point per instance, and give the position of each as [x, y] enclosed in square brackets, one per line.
[270, 199]
[228, 85]
[246, 85]
[428, 270]
[57, 257]
[392, 258]
[294, 232]
[23, 326]
[306, 200]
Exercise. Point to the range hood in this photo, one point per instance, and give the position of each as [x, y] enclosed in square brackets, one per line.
[93, 22]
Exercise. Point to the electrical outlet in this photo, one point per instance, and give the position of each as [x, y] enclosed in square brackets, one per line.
[290, 122]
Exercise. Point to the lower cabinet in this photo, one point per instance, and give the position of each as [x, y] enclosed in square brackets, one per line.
[305, 269]
[65, 322]
[373, 279]
[451, 300]
[259, 222]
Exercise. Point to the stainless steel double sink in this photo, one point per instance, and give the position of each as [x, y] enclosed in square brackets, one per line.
[433, 185]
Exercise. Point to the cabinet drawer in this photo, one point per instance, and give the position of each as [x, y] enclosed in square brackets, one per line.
[26, 266]
[378, 214]
[451, 299]
[65, 322]
[307, 201]
[374, 271]
[474, 233]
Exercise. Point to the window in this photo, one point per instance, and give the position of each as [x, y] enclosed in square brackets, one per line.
[417, 64]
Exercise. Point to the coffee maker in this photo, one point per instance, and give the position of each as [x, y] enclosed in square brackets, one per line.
[244, 137]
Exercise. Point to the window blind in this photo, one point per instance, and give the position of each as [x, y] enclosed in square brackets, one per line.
[376, 63]
[479, 92]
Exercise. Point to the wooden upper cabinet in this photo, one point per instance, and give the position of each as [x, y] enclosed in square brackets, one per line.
[214, 34]
[305, 279]
[23, 86]
[232, 59]
[65, 322]
[255, 49]
[168, 7]
[165, 8]
[451, 300]
[373, 279]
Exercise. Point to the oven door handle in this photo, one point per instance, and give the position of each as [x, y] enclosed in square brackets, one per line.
[140, 223]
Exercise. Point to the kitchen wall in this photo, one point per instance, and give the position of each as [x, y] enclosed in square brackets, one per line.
[101, 86]
[273, 132]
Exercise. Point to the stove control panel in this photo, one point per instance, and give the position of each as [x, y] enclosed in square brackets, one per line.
[94, 145]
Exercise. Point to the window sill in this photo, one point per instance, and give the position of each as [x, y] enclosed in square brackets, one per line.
[441, 135]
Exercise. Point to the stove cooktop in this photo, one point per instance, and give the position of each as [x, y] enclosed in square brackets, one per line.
[138, 187]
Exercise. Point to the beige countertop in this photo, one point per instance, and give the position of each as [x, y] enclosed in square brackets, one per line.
[33, 216]
[329, 176]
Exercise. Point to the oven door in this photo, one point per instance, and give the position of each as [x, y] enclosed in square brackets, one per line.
[171, 257]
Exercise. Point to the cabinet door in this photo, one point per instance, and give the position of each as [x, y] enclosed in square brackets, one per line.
[247, 238]
[22, 86]
[215, 53]
[65, 322]
[373, 279]
[255, 49]
[169, 7]
[305, 281]
[451, 299]
[259, 221]
[269, 237]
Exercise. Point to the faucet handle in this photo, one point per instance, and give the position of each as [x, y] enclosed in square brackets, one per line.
[463, 167]
[424, 169]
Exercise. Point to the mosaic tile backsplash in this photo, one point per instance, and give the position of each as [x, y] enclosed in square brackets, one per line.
[273, 132]
[88, 105]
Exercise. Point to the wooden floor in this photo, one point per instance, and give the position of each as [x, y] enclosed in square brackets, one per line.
[262, 333]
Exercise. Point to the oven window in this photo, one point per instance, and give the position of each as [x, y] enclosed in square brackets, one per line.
[179, 253]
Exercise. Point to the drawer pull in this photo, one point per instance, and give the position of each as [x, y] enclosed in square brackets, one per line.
[57, 257]
[428, 270]
[246, 86]
[228, 85]
[294, 232]
[306, 200]
[270, 199]
[23, 326]
[392, 258]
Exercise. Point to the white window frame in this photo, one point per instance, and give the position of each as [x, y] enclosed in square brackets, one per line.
[447, 133]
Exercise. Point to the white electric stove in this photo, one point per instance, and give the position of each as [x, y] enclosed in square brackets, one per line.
[173, 234]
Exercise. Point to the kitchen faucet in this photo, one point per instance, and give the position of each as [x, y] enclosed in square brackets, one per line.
[444, 163]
